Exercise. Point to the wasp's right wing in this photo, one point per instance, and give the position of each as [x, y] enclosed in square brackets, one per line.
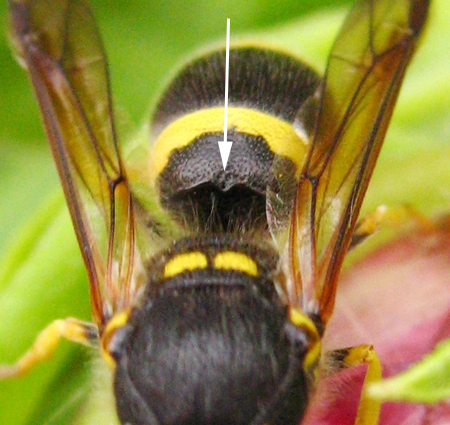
[347, 119]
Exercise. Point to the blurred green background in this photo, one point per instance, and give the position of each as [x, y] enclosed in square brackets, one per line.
[41, 274]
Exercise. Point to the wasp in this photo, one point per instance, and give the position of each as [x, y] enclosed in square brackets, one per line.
[211, 288]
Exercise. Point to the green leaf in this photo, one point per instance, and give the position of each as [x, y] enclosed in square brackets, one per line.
[41, 276]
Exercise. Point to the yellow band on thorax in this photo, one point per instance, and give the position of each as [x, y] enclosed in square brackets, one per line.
[237, 261]
[225, 260]
[278, 134]
[189, 261]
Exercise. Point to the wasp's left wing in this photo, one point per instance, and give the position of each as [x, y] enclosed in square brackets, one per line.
[60, 46]
[352, 112]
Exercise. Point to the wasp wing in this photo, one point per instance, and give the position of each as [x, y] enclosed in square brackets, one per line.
[352, 111]
[60, 46]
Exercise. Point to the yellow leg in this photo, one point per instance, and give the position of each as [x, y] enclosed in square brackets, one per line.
[390, 216]
[369, 409]
[47, 342]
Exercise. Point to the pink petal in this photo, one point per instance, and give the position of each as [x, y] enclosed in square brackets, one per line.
[398, 299]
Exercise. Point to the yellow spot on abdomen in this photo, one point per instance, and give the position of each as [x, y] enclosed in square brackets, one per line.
[185, 262]
[230, 260]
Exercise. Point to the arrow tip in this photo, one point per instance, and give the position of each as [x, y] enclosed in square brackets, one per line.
[225, 149]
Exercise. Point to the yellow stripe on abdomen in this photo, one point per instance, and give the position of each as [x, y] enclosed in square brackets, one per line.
[279, 135]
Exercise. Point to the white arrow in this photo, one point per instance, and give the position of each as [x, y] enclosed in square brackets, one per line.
[225, 146]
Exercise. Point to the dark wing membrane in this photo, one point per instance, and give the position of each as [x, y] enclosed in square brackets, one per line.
[355, 103]
[61, 47]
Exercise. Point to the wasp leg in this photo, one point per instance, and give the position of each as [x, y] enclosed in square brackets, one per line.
[47, 342]
[369, 409]
[389, 216]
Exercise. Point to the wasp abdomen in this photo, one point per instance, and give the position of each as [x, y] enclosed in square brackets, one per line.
[266, 89]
